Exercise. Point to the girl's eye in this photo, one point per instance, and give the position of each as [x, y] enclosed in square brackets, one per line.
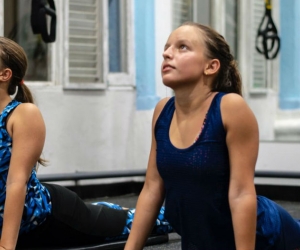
[183, 46]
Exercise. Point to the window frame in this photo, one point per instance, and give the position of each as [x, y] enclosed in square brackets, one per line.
[110, 80]
[121, 80]
[58, 51]
[52, 47]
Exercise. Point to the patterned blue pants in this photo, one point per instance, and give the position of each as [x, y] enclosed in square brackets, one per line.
[161, 226]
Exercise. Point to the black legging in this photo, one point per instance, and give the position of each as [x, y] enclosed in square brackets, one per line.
[73, 222]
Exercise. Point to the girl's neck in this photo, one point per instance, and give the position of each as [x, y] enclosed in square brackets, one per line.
[188, 102]
[4, 99]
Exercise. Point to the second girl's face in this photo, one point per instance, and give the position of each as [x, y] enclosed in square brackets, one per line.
[184, 57]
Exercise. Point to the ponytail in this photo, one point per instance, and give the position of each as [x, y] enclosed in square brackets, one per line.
[228, 79]
[23, 94]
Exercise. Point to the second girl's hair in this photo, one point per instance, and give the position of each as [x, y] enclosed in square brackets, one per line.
[228, 78]
[13, 56]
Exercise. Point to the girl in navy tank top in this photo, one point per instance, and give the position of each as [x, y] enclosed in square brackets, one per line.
[203, 155]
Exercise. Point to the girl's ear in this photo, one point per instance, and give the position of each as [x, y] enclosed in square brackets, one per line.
[212, 67]
[5, 75]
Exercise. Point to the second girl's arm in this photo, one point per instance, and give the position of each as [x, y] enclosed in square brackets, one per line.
[27, 129]
[151, 197]
[242, 141]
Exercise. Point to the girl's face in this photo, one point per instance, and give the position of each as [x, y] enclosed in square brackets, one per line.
[184, 57]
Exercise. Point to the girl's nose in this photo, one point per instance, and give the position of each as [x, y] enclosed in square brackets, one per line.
[167, 53]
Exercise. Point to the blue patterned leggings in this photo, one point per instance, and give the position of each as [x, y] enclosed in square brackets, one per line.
[161, 226]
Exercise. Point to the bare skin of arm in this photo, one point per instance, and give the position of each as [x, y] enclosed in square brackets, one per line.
[151, 197]
[242, 141]
[27, 129]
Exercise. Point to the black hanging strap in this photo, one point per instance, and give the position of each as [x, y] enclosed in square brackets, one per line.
[39, 12]
[267, 39]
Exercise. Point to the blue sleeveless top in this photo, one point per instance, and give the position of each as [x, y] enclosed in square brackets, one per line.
[37, 202]
[196, 181]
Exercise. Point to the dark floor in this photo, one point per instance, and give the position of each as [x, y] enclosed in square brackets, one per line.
[129, 200]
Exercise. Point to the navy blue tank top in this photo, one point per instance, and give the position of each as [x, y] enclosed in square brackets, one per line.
[196, 181]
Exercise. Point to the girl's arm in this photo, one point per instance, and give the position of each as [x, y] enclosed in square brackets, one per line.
[242, 141]
[151, 197]
[27, 129]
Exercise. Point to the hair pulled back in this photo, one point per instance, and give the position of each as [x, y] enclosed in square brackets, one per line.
[13, 56]
[228, 78]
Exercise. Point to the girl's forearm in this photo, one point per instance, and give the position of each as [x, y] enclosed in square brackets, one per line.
[146, 212]
[13, 210]
[243, 211]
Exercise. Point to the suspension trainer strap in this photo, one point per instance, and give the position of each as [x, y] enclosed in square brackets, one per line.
[267, 40]
[40, 9]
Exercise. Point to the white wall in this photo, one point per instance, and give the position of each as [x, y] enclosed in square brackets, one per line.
[93, 130]
[163, 27]
[279, 156]
[264, 106]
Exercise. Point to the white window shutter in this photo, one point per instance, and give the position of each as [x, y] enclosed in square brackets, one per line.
[182, 12]
[259, 76]
[85, 42]
[231, 25]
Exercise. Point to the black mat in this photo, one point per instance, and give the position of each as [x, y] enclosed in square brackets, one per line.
[118, 245]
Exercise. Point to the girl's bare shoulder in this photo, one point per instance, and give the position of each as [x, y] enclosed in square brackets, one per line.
[234, 108]
[159, 107]
[25, 115]
[25, 111]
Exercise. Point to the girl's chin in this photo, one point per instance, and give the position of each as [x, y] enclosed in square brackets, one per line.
[170, 84]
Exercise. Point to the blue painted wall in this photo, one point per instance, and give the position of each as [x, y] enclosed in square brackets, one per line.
[145, 54]
[289, 97]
